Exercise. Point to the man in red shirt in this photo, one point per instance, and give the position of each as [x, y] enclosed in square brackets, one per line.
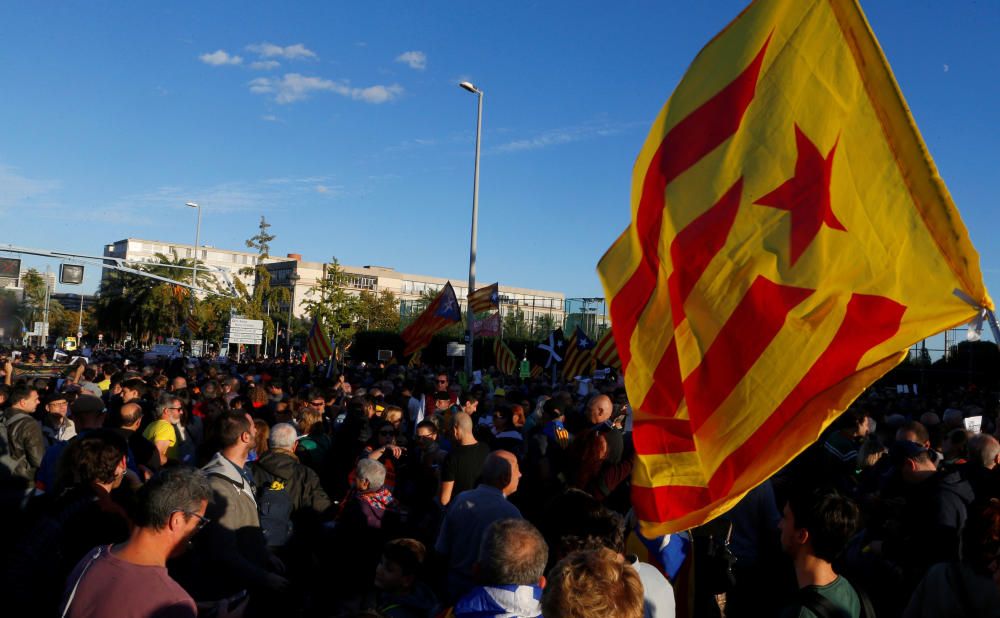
[131, 579]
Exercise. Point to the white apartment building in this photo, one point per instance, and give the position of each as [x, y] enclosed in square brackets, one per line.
[143, 250]
[407, 288]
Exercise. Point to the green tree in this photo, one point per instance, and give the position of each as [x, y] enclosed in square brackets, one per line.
[262, 303]
[377, 311]
[146, 307]
[514, 324]
[330, 302]
[544, 324]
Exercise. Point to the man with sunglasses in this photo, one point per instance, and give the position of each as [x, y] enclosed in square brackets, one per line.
[162, 433]
[131, 579]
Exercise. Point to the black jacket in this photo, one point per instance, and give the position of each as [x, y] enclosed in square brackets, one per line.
[300, 480]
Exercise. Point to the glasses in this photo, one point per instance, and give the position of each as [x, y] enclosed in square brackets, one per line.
[173, 408]
[318, 404]
[202, 521]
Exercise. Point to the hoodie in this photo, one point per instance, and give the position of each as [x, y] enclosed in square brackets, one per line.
[500, 602]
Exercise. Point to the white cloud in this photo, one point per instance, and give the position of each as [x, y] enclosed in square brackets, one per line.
[270, 118]
[294, 87]
[220, 58]
[566, 135]
[375, 94]
[18, 190]
[946, 68]
[265, 65]
[415, 59]
[290, 52]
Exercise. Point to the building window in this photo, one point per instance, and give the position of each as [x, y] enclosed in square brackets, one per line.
[362, 282]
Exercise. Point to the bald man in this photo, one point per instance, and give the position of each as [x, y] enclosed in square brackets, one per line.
[142, 452]
[466, 522]
[600, 410]
[463, 464]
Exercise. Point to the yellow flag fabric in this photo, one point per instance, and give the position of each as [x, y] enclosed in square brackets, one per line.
[790, 236]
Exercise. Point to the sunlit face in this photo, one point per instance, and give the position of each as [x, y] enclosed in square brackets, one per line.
[57, 409]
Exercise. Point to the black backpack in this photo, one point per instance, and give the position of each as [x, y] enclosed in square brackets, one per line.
[274, 504]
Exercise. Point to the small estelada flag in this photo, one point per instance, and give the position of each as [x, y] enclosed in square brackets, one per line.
[579, 356]
[485, 299]
[443, 311]
[790, 238]
[318, 347]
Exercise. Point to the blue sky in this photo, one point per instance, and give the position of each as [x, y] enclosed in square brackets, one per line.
[343, 124]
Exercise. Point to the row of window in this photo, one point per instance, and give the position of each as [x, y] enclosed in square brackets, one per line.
[206, 255]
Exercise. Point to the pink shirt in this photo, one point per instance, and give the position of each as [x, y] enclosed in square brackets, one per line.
[113, 587]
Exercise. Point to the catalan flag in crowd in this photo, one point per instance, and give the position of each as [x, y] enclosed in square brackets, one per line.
[192, 323]
[440, 313]
[790, 239]
[485, 299]
[579, 359]
[318, 347]
[536, 370]
[605, 351]
[505, 359]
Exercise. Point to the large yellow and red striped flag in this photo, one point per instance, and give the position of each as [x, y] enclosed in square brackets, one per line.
[318, 347]
[790, 235]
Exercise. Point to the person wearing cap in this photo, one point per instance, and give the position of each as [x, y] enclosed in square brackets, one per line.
[87, 413]
[56, 427]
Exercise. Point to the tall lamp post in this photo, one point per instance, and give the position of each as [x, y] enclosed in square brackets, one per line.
[292, 280]
[197, 242]
[469, 317]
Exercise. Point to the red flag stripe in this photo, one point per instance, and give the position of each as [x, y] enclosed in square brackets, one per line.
[655, 436]
[694, 247]
[692, 250]
[753, 325]
[688, 142]
[869, 321]
[667, 390]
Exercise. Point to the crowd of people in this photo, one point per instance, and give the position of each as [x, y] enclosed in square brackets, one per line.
[191, 488]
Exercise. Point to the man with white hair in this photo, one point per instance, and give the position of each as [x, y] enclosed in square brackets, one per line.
[288, 492]
[981, 471]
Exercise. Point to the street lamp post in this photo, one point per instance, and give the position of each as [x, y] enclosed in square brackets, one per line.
[475, 225]
[79, 324]
[292, 280]
[197, 241]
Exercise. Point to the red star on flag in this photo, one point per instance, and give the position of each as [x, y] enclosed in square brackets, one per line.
[806, 195]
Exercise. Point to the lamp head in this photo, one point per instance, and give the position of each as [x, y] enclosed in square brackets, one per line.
[468, 86]
[191, 204]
